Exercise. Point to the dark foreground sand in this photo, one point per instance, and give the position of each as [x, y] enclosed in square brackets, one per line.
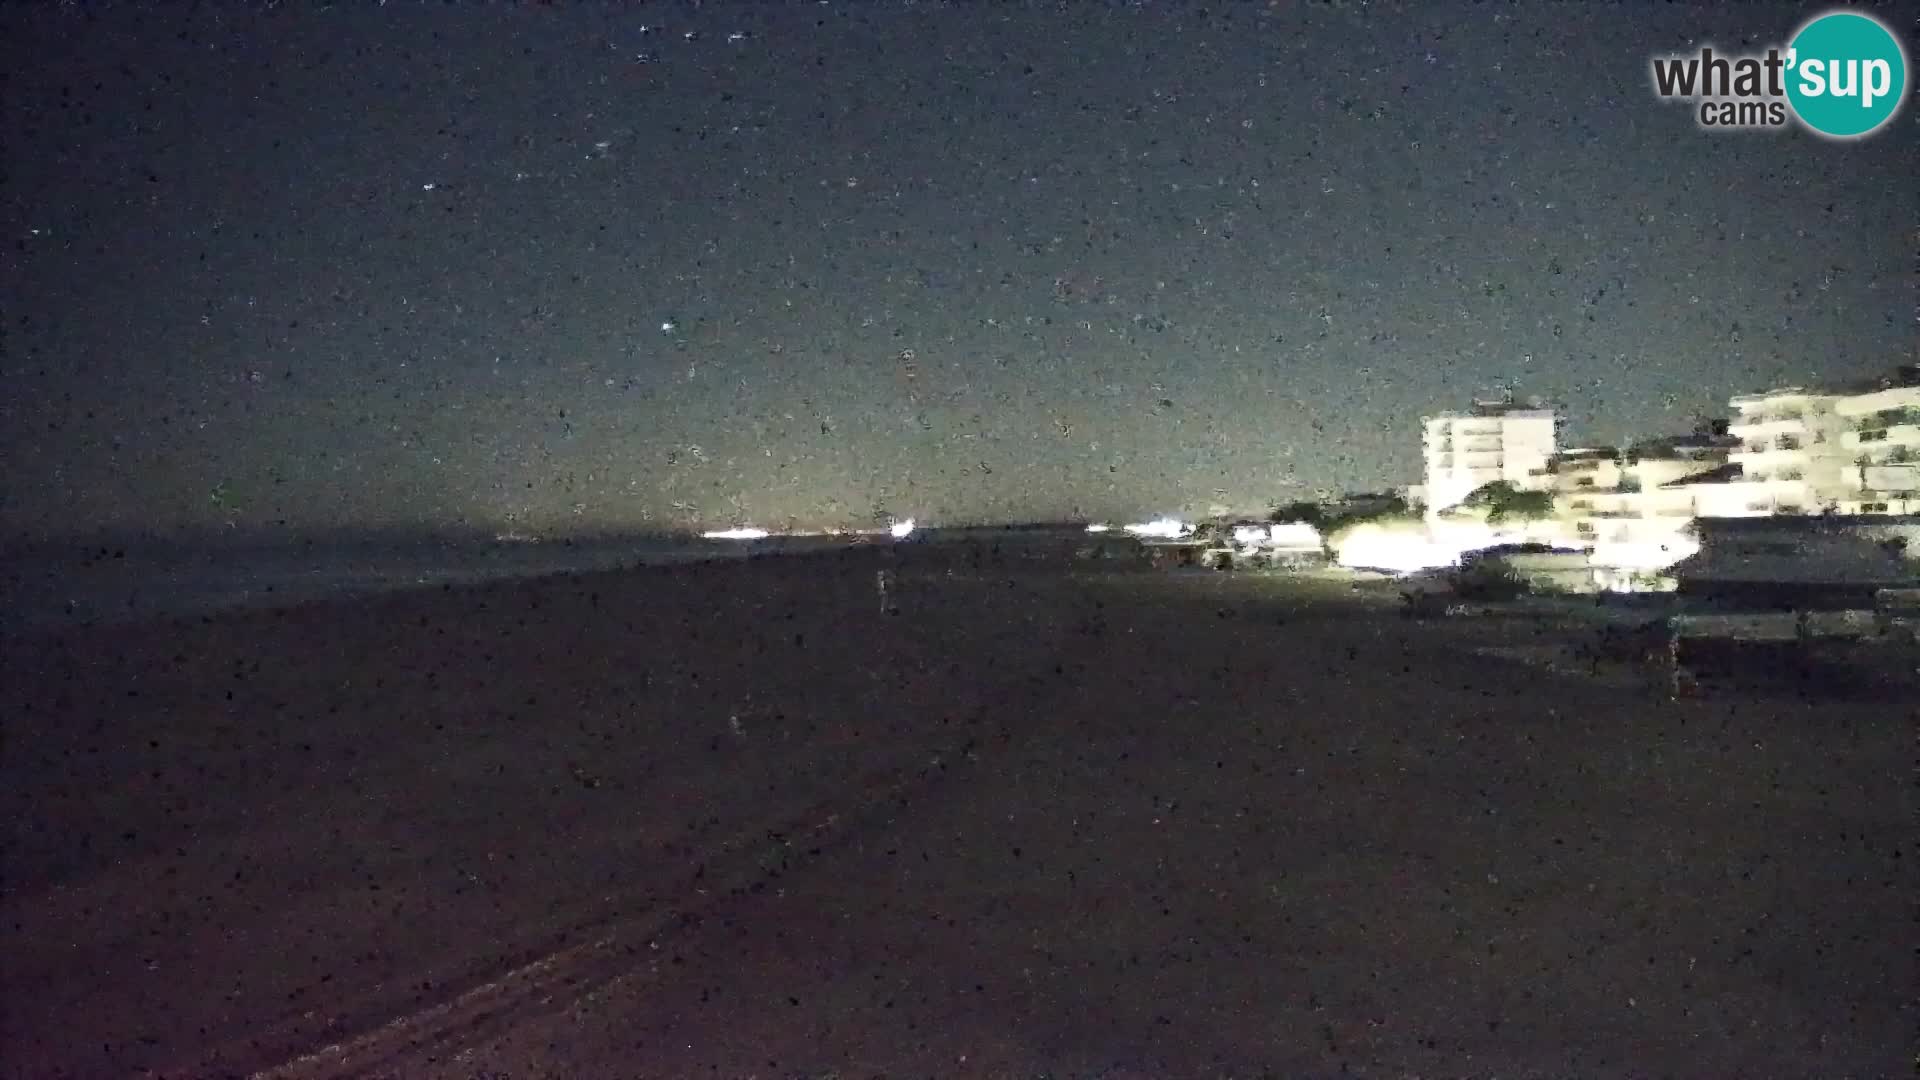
[733, 821]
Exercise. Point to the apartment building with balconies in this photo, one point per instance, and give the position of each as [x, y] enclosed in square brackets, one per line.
[1880, 440]
[1789, 455]
[1631, 507]
[1494, 441]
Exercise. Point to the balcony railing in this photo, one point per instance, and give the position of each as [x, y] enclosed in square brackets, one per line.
[1886, 418]
[1770, 421]
[1878, 439]
[1890, 478]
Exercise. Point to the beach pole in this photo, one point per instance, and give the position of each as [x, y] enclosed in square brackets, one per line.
[883, 584]
[1679, 680]
[1673, 660]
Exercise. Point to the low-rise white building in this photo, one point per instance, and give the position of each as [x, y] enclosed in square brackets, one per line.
[1631, 507]
[1662, 468]
[1494, 441]
[1722, 494]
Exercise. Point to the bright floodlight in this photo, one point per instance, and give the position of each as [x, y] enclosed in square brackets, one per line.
[1167, 528]
[1399, 550]
[901, 529]
[736, 534]
[1099, 528]
[1295, 534]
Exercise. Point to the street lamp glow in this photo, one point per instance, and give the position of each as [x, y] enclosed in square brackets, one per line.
[736, 534]
[900, 530]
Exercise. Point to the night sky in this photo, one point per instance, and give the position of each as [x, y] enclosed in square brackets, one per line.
[610, 267]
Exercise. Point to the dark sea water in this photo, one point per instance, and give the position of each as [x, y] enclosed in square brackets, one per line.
[47, 586]
[54, 588]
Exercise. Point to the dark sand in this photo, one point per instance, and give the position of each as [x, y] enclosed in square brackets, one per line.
[733, 821]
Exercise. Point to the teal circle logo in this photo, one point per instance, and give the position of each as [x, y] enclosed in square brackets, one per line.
[1846, 74]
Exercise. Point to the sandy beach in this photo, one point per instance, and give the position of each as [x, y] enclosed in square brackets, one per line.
[738, 820]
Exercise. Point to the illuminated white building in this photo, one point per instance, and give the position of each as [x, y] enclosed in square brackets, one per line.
[1631, 507]
[1495, 441]
[1813, 452]
[1880, 440]
[1790, 455]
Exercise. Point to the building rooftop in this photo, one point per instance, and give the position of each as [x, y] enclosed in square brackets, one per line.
[1576, 456]
[1778, 392]
[1496, 412]
[1901, 377]
[1725, 474]
[1682, 446]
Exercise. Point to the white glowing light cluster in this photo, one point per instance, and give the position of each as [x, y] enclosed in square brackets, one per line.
[1375, 547]
[1161, 528]
[900, 530]
[1295, 534]
[736, 534]
[1099, 528]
